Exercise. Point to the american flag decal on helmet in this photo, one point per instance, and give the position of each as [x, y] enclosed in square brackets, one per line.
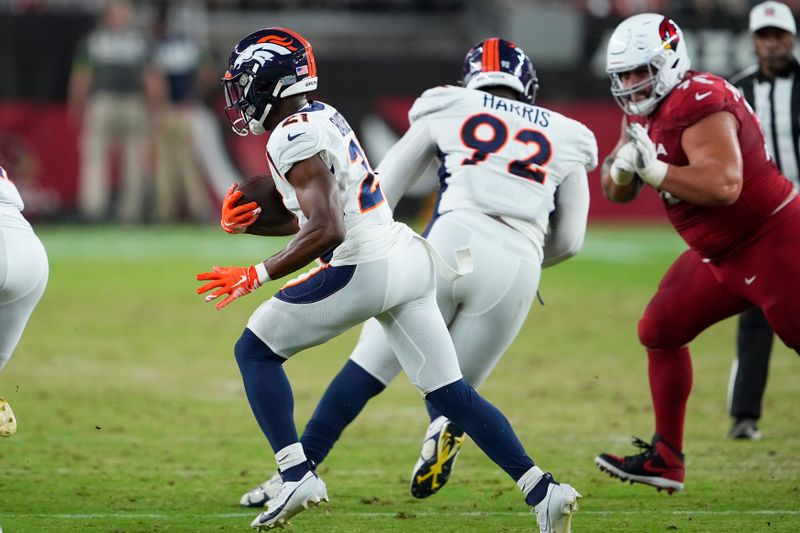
[302, 70]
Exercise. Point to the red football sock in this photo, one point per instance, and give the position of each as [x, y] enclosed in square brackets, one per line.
[670, 373]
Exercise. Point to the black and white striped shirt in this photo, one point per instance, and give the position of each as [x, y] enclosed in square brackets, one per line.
[777, 106]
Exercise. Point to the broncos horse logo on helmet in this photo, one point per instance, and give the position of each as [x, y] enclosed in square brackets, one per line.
[496, 62]
[264, 67]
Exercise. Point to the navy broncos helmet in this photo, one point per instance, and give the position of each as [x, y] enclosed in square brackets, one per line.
[498, 62]
[264, 67]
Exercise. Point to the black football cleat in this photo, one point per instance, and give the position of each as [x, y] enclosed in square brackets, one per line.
[660, 465]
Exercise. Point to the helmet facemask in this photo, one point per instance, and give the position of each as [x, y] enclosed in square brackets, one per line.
[247, 105]
[649, 41]
[624, 95]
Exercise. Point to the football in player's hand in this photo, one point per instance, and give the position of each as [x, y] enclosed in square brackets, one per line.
[274, 219]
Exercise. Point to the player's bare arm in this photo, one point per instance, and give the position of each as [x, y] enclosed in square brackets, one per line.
[714, 173]
[318, 197]
[290, 227]
[613, 191]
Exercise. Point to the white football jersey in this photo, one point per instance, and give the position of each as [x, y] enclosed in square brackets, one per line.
[9, 195]
[318, 128]
[502, 157]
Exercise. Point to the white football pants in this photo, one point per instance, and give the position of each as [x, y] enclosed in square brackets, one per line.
[23, 276]
[398, 291]
[484, 309]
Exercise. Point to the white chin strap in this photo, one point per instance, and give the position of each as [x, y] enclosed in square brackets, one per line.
[643, 107]
[256, 125]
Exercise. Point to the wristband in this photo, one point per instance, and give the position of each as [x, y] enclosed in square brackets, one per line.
[261, 272]
[655, 174]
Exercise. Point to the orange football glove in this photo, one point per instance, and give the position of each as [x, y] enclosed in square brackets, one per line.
[236, 218]
[233, 281]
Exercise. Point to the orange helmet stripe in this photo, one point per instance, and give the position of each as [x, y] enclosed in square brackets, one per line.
[490, 61]
[312, 64]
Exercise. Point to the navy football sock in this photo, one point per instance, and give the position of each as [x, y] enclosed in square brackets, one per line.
[268, 389]
[345, 397]
[296, 472]
[539, 491]
[485, 425]
[433, 413]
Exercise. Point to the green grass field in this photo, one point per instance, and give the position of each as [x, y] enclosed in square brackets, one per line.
[132, 416]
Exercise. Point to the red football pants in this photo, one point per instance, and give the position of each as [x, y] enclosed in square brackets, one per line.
[696, 293]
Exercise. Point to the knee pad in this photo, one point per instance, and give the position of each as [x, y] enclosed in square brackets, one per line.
[250, 347]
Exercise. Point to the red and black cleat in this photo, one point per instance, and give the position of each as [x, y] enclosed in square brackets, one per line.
[659, 465]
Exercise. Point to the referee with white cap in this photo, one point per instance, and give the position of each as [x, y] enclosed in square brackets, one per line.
[771, 87]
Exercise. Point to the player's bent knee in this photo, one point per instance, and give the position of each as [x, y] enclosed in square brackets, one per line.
[654, 334]
[250, 347]
[450, 399]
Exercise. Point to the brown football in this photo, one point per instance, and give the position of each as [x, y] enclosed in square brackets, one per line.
[274, 219]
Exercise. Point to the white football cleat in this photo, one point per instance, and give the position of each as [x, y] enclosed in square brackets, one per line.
[440, 447]
[8, 422]
[259, 496]
[554, 513]
[294, 497]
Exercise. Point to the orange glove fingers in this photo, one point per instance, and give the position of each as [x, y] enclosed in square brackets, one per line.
[231, 197]
[239, 210]
[238, 215]
[211, 285]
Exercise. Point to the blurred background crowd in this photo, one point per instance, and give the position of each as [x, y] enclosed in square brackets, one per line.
[111, 111]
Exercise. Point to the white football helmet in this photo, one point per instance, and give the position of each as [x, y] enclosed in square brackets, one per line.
[650, 40]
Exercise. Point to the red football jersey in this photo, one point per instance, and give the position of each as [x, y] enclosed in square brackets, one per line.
[715, 230]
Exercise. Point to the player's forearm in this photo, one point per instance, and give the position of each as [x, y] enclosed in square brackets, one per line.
[288, 228]
[706, 184]
[620, 194]
[311, 242]
[568, 220]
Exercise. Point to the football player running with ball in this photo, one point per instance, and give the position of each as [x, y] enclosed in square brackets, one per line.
[513, 188]
[371, 266]
[692, 136]
[23, 277]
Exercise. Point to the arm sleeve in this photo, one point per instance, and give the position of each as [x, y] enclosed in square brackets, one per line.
[568, 219]
[406, 161]
[590, 149]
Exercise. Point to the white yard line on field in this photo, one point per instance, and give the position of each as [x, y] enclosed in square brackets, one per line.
[730, 512]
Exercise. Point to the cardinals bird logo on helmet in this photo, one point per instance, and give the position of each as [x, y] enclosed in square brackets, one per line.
[648, 41]
[669, 34]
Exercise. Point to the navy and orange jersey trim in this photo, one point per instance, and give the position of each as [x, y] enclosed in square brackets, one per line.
[320, 283]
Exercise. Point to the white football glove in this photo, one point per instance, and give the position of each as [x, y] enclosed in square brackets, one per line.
[623, 167]
[649, 168]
